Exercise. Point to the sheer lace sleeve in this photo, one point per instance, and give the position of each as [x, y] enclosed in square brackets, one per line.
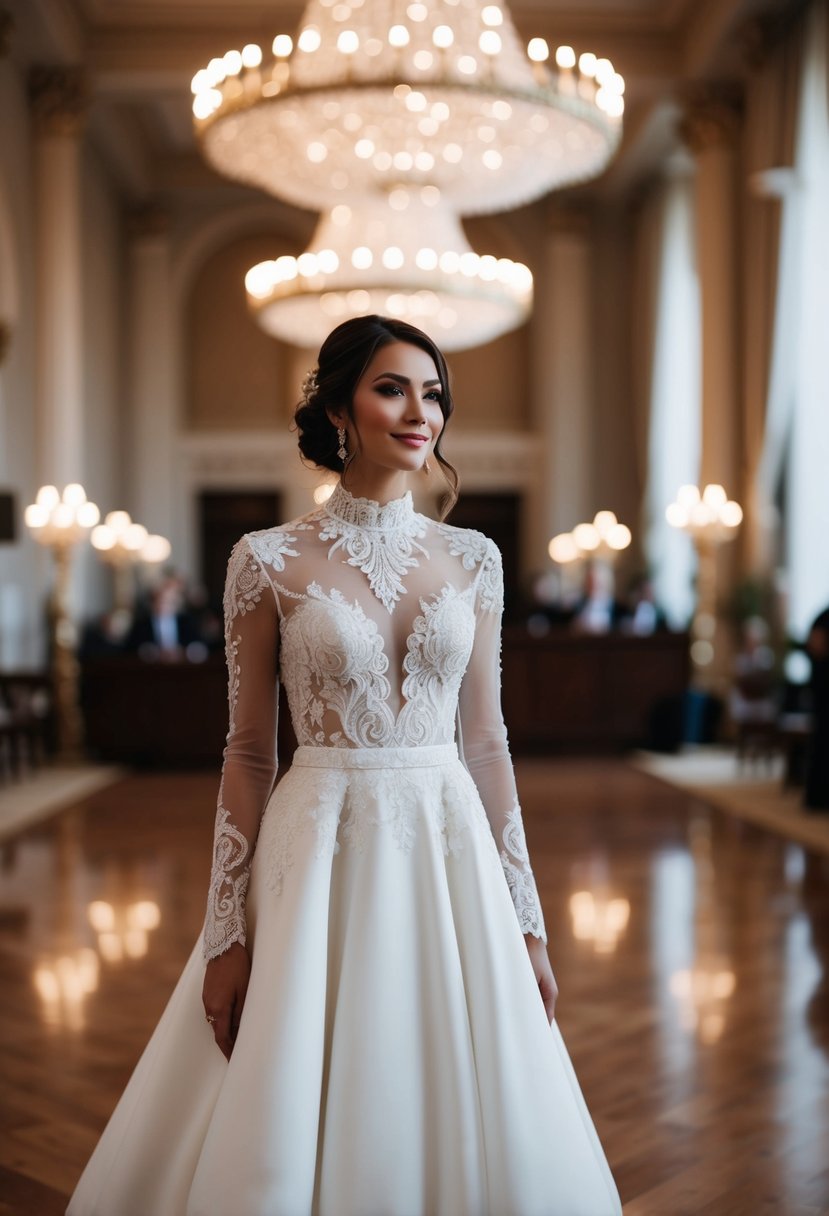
[482, 738]
[251, 643]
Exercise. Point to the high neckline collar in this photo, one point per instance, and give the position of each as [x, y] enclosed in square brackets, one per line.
[396, 515]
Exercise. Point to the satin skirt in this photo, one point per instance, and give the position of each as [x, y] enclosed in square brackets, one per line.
[393, 1058]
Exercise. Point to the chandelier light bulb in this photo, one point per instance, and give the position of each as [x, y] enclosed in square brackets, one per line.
[398, 36]
[282, 46]
[564, 549]
[443, 36]
[251, 55]
[309, 40]
[492, 15]
[48, 498]
[348, 42]
[565, 57]
[538, 50]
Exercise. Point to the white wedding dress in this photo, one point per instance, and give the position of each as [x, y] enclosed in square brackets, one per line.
[394, 1057]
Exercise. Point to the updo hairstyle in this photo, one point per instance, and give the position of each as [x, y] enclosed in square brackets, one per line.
[344, 356]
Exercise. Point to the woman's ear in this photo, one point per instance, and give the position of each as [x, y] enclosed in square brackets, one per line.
[336, 419]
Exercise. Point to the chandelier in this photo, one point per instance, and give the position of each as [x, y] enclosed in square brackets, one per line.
[362, 259]
[432, 110]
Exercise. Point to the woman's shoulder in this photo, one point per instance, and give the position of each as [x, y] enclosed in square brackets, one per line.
[472, 546]
[273, 545]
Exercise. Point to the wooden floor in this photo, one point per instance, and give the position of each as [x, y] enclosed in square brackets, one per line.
[691, 950]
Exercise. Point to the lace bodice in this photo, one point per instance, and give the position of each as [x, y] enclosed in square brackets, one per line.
[384, 627]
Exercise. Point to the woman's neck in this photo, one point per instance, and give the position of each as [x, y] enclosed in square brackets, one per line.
[381, 486]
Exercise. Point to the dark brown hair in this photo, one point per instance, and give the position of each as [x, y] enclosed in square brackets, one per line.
[344, 356]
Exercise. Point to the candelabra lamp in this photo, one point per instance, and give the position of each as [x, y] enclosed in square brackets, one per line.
[60, 522]
[122, 544]
[711, 518]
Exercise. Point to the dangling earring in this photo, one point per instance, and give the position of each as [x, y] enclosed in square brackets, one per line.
[427, 468]
[341, 450]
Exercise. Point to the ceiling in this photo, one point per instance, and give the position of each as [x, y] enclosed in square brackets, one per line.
[140, 56]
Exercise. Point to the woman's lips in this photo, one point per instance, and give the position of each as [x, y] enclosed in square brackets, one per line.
[412, 441]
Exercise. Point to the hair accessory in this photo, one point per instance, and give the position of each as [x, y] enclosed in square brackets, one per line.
[341, 450]
[310, 384]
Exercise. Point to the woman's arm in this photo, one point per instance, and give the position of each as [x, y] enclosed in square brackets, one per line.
[251, 643]
[485, 752]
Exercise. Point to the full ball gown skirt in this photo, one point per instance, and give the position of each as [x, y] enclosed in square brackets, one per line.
[394, 1057]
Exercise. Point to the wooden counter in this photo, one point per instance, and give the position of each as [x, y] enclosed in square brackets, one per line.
[561, 693]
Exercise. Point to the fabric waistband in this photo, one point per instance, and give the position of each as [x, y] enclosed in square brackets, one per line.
[375, 757]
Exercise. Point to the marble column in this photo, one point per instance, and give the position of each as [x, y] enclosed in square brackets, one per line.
[562, 382]
[59, 100]
[152, 391]
[710, 128]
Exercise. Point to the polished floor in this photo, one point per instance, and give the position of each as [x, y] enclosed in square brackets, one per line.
[691, 951]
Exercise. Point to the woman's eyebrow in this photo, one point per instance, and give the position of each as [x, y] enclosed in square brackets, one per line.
[402, 379]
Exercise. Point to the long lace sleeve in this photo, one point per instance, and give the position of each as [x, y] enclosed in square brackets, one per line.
[482, 738]
[251, 643]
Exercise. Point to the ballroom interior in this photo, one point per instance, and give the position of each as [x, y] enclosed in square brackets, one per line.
[613, 220]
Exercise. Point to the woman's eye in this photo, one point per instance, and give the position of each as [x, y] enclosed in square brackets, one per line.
[389, 390]
[434, 395]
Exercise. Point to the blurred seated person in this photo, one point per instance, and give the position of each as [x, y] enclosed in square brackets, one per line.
[753, 695]
[816, 796]
[106, 635]
[167, 630]
[598, 611]
[644, 616]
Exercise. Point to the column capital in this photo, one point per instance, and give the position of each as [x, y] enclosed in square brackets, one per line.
[711, 119]
[59, 97]
[6, 31]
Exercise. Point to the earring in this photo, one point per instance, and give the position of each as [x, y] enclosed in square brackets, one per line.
[427, 468]
[341, 450]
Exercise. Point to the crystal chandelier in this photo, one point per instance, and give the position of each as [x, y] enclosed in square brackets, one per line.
[363, 259]
[388, 104]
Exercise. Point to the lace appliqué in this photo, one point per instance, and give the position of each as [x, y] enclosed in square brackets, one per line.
[225, 921]
[475, 549]
[515, 861]
[379, 540]
[346, 808]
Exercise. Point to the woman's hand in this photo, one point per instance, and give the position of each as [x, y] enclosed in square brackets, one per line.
[543, 973]
[223, 994]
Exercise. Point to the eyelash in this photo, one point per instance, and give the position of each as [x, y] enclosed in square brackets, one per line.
[388, 389]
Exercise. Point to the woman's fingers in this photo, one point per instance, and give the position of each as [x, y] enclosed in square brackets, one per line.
[221, 1032]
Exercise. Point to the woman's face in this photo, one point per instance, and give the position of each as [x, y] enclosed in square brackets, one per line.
[396, 414]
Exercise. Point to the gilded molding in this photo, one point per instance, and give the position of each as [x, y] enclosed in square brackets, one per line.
[59, 98]
[711, 120]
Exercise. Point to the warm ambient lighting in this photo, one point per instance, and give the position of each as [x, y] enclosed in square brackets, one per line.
[710, 515]
[599, 919]
[711, 519]
[123, 932]
[440, 109]
[604, 537]
[60, 522]
[122, 544]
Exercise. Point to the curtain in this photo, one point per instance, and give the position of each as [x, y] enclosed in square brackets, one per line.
[796, 440]
[674, 426]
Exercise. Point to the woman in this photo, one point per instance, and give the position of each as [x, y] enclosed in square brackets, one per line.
[376, 978]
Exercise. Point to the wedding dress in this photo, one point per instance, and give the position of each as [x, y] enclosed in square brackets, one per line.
[394, 1057]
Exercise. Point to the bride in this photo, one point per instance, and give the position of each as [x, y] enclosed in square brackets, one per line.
[366, 1026]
